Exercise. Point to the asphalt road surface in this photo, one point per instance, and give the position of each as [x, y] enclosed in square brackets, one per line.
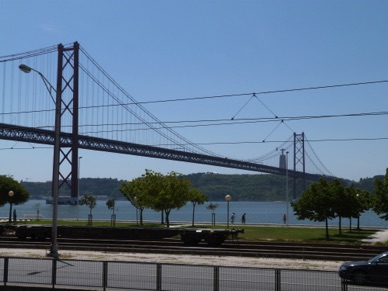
[143, 276]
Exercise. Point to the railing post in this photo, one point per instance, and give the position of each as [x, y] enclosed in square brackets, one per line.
[158, 277]
[54, 273]
[278, 285]
[344, 285]
[6, 268]
[104, 275]
[216, 278]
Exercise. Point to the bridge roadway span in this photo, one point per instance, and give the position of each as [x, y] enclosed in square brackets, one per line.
[41, 136]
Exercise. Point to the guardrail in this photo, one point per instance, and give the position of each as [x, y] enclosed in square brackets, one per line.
[117, 275]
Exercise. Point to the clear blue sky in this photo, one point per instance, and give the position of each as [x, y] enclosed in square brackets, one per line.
[160, 50]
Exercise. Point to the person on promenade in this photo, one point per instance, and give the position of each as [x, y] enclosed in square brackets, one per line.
[232, 217]
[284, 219]
[14, 215]
[243, 218]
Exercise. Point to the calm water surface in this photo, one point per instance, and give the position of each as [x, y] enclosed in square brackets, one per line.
[256, 213]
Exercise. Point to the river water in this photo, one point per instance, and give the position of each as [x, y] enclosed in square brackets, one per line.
[256, 213]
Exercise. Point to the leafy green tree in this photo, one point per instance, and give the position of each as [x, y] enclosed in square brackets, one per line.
[212, 207]
[111, 203]
[196, 197]
[343, 201]
[364, 203]
[316, 204]
[155, 192]
[174, 194]
[380, 203]
[136, 192]
[89, 201]
[351, 202]
[165, 193]
[7, 184]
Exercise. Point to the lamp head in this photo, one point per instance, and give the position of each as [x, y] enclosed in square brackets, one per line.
[25, 69]
[228, 198]
[10, 193]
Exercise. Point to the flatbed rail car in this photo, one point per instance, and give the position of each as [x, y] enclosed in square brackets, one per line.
[213, 237]
[189, 236]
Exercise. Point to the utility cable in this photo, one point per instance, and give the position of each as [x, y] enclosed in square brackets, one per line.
[266, 92]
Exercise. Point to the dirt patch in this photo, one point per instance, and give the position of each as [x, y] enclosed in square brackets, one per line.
[180, 259]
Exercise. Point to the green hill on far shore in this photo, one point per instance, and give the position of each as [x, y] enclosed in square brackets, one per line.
[246, 187]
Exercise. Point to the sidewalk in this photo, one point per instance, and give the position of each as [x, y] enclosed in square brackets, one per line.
[380, 236]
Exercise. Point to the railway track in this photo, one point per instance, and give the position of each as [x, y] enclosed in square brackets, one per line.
[229, 248]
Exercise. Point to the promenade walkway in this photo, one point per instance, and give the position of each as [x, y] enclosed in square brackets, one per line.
[379, 236]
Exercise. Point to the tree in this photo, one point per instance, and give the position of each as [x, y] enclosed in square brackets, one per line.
[196, 197]
[173, 194]
[89, 201]
[111, 203]
[343, 205]
[212, 207]
[351, 203]
[316, 204]
[380, 203]
[165, 193]
[136, 193]
[7, 184]
[364, 203]
[154, 186]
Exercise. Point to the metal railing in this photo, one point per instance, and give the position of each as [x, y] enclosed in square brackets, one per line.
[119, 275]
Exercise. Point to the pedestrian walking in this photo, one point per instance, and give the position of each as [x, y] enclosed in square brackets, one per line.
[232, 217]
[14, 215]
[243, 218]
[284, 218]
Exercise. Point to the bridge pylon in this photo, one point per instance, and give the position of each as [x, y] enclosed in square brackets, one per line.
[299, 160]
[67, 88]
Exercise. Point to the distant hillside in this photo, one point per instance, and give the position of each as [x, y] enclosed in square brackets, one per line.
[242, 187]
[257, 187]
[97, 186]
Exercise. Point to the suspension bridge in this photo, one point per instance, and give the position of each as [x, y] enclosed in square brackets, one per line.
[87, 109]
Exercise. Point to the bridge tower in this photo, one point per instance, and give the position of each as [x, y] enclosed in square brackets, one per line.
[299, 159]
[67, 88]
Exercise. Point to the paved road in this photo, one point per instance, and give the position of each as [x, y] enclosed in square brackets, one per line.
[144, 276]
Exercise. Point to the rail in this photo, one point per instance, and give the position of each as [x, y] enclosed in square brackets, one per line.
[229, 248]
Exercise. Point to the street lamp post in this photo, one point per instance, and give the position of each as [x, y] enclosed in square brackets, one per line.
[79, 175]
[287, 188]
[54, 243]
[10, 194]
[228, 198]
[137, 210]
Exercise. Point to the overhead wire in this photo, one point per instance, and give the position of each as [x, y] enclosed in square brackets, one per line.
[163, 125]
[220, 122]
[127, 95]
[275, 116]
[29, 54]
[266, 92]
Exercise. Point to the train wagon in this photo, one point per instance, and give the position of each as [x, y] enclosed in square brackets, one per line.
[213, 237]
[189, 236]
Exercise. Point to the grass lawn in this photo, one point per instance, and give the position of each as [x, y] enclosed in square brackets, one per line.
[304, 234]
